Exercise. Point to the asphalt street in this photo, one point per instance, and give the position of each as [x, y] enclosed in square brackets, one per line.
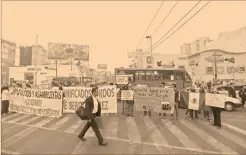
[28, 134]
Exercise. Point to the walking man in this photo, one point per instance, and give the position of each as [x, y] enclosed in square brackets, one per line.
[93, 110]
[242, 95]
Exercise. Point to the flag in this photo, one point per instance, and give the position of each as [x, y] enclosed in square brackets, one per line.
[189, 100]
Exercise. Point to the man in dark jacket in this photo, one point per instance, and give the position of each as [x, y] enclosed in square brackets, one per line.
[176, 98]
[231, 91]
[242, 95]
[93, 110]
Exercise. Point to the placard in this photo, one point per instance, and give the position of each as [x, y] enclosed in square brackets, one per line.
[121, 79]
[194, 99]
[215, 100]
[127, 95]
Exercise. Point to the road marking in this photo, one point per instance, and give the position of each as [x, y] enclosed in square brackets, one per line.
[228, 135]
[235, 128]
[17, 137]
[235, 120]
[7, 130]
[61, 122]
[128, 141]
[44, 121]
[77, 149]
[133, 133]
[29, 120]
[10, 116]
[9, 152]
[74, 127]
[155, 133]
[18, 118]
[112, 127]
[209, 139]
[181, 136]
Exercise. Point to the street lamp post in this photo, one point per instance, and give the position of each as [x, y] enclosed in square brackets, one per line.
[151, 48]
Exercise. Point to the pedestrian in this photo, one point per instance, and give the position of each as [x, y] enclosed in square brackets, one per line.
[123, 102]
[164, 114]
[217, 115]
[147, 110]
[206, 109]
[231, 91]
[176, 98]
[242, 95]
[5, 100]
[190, 111]
[93, 110]
[130, 104]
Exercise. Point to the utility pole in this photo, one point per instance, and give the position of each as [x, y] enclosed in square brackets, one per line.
[36, 63]
[56, 68]
[215, 66]
[151, 48]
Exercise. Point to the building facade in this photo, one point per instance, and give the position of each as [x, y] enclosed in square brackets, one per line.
[8, 51]
[195, 46]
[202, 66]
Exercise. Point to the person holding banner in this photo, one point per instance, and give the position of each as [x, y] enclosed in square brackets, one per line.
[216, 113]
[176, 98]
[162, 86]
[130, 103]
[93, 110]
[5, 100]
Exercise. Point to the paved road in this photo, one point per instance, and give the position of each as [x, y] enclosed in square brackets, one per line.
[28, 134]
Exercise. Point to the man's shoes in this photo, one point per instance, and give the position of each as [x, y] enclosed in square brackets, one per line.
[83, 139]
[103, 143]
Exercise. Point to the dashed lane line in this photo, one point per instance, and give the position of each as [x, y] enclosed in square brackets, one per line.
[128, 141]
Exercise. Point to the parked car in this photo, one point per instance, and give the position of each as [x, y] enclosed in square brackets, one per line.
[230, 103]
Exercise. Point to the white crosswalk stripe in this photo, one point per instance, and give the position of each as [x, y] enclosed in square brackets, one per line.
[209, 139]
[133, 132]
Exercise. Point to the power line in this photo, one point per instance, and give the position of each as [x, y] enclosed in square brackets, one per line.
[175, 25]
[183, 24]
[150, 23]
[165, 18]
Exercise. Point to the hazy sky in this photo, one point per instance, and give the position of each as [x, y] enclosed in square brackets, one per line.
[110, 28]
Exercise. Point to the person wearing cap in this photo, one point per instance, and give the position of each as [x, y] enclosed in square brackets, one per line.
[242, 95]
[130, 104]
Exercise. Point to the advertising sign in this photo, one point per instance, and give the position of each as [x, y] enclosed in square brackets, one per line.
[66, 51]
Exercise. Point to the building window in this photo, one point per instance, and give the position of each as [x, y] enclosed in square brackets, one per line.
[140, 75]
[180, 76]
[220, 70]
[241, 69]
[209, 70]
[148, 75]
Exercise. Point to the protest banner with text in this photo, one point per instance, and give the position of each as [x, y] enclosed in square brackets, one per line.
[37, 102]
[154, 98]
[75, 97]
[127, 95]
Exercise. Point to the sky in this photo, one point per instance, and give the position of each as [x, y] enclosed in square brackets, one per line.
[111, 28]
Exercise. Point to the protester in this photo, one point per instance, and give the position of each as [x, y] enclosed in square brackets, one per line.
[93, 110]
[206, 109]
[231, 91]
[190, 111]
[123, 102]
[147, 110]
[130, 104]
[242, 95]
[216, 113]
[176, 98]
[162, 86]
[5, 100]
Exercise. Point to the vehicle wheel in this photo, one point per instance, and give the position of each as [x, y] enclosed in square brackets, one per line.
[228, 106]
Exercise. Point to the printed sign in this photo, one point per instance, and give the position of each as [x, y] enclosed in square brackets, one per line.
[150, 98]
[37, 102]
[75, 96]
[127, 95]
[215, 100]
[167, 108]
[121, 79]
[194, 101]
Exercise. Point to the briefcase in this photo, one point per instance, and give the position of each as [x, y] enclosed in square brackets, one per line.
[81, 113]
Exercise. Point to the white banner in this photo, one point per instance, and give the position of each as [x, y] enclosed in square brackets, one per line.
[121, 79]
[37, 102]
[194, 99]
[75, 96]
[127, 95]
[215, 100]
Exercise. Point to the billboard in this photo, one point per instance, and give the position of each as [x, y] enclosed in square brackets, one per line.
[65, 51]
[25, 55]
[102, 66]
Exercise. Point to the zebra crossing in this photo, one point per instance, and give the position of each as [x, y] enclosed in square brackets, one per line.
[195, 135]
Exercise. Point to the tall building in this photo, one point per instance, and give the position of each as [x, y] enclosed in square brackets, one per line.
[30, 55]
[194, 47]
[7, 59]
